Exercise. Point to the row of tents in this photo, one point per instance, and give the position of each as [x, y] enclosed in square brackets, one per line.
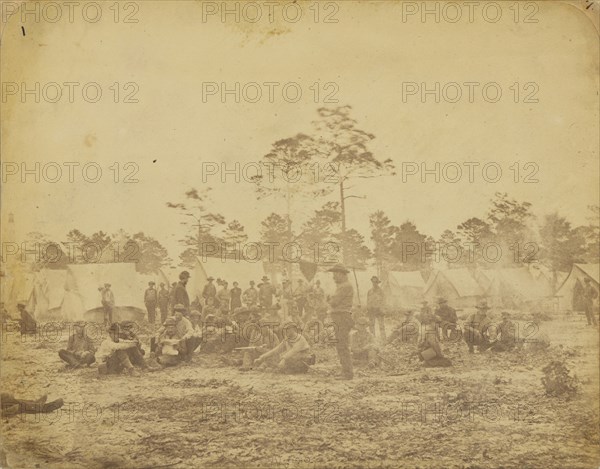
[72, 294]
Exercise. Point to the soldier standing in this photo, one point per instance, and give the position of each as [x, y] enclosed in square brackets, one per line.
[340, 304]
[151, 300]
[375, 306]
[589, 295]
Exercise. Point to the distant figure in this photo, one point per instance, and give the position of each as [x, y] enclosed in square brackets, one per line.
[250, 296]
[172, 302]
[224, 298]
[181, 295]
[163, 302]
[108, 303]
[27, 322]
[319, 303]
[236, 297]
[80, 348]
[209, 290]
[300, 294]
[375, 307]
[589, 295]
[151, 301]
[340, 304]
[266, 292]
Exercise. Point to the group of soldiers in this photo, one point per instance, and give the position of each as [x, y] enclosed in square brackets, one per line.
[213, 321]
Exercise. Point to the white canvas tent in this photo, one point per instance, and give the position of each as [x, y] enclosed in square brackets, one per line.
[404, 289]
[17, 286]
[458, 286]
[515, 288]
[569, 293]
[48, 292]
[82, 299]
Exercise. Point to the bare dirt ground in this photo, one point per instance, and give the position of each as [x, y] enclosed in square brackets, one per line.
[488, 410]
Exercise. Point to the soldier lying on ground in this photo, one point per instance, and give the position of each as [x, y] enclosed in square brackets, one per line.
[80, 348]
[112, 355]
[292, 355]
[362, 343]
[13, 406]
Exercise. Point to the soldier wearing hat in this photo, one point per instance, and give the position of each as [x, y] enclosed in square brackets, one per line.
[375, 307]
[112, 354]
[181, 295]
[448, 318]
[340, 304]
[477, 328]
[108, 303]
[362, 343]
[168, 351]
[266, 292]
[80, 348]
[250, 296]
[506, 334]
[589, 295]
[209, 290]
[151, 300]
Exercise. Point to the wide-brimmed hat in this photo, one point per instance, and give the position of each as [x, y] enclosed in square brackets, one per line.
[375, 279]
[170, 322]
[252, 282]
[338, 268]
[195, 314]
[482, 305]
[265, 278]
[210, 279]
[151, 283]
[179, 307]
[442, 300]
[184, 274]
[107, 285]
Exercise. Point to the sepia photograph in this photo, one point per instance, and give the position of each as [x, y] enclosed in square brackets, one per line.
[299, 234]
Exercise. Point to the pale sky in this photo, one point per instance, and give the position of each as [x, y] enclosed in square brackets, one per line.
[369, 53]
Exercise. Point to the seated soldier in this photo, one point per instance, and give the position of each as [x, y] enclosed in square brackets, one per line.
[292, 355]
[408, 331]
[27, 323]
[112, 354]
[448, 319]
[362, 343]
[127, 331]
[80, 348]
[430, 351]
[168, 348]
[185, 331]
[477, 328]
[507, 333]
[196, 338]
